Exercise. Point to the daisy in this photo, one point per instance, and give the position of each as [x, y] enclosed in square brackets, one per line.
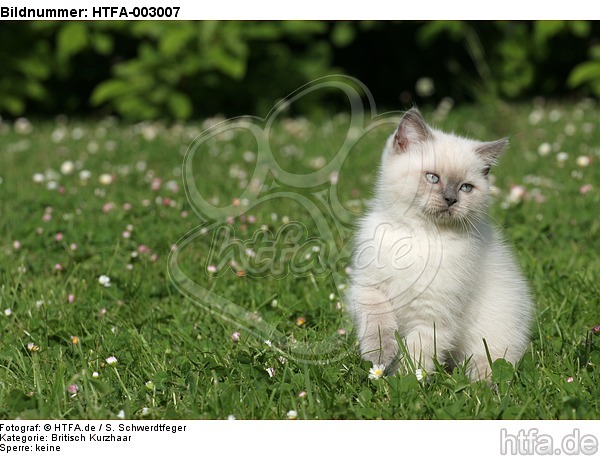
[376, 372]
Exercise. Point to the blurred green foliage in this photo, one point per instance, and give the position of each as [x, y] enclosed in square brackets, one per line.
[148, 70]
[511, 58]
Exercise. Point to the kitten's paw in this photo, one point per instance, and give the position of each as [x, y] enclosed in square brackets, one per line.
[479, 369]
[380, 356]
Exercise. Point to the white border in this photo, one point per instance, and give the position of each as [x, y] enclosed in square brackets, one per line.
[337, 10]
[290, 438]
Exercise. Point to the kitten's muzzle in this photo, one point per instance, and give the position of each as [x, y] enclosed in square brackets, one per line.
[450, 197]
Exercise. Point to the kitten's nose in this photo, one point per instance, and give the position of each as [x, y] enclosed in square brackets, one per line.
[450, 200]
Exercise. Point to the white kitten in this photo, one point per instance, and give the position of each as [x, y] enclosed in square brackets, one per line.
[428, 266]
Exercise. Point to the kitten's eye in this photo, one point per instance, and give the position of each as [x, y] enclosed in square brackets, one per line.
[434, 179]
[466, 188]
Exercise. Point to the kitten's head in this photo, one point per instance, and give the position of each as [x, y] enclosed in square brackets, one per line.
[438, 175]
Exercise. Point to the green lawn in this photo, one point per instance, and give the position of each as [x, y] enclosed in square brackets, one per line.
[64, 224]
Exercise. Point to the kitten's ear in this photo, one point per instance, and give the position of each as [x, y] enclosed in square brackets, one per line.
[412, 130]
[490, 151]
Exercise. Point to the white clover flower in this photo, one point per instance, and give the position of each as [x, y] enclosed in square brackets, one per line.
[84, 174]
[270, 371]
[269, 343]
[535, 117]
[67, 167]
[419, 374]
[544, 149]
[376, 372]
[111, 360]
[516, 194]
[583, 161]
[104, 281]
[121, 414]
[105, 179]
[7, 312]
[77, 133]
[23, 126]
[292, 415]
[570, 129]
[554, 115]
[425, 87]
[38, 178]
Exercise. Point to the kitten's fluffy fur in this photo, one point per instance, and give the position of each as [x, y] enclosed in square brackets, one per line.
[428, 266]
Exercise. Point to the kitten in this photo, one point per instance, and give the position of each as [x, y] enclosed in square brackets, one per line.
[428, 266]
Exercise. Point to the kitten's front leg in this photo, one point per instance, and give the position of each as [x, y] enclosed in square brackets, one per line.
[376, 325]
[421, 345]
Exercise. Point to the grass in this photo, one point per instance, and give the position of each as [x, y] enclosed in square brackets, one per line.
[176, 357]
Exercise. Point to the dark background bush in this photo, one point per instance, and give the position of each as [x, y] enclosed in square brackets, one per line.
[178, 70]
